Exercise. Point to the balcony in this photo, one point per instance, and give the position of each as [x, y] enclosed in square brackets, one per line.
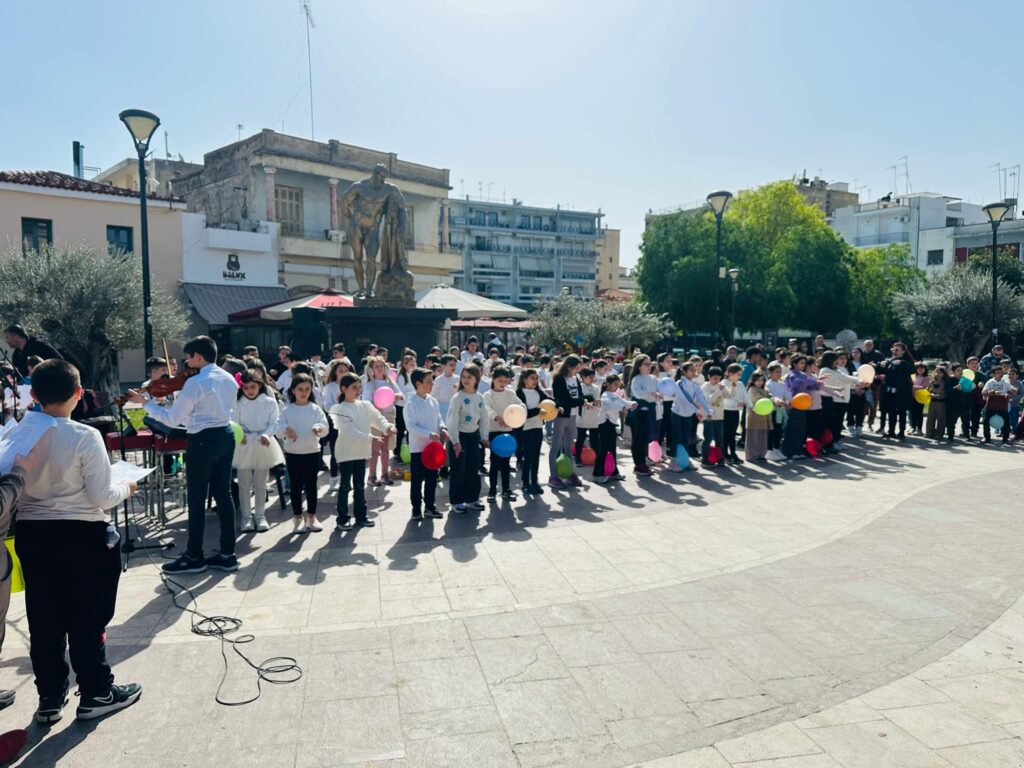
[310, 243]
[867, 241]
[239, 240]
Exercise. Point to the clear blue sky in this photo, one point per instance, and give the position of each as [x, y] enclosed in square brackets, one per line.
[622, 106]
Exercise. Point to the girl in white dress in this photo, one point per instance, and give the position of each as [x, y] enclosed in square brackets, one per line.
[256, 412]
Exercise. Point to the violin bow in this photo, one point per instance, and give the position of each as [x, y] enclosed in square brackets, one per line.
[172, 364]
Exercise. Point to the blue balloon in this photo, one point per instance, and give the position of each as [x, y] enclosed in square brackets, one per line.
[966, 385]
[682, 457]
[503, 445]
[996, 422]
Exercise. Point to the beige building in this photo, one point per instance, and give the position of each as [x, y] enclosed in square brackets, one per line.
[608, 260]
[829, 197]
[160, 174]
[45, 207]
[271, 178]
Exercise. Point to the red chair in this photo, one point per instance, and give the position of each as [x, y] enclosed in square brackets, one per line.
[142, 441]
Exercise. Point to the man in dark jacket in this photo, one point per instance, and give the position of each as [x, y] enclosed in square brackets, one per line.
[24, 346]
[897, 388]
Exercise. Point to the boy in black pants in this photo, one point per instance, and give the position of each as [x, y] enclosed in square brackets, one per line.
[423, 421]
[71, 564]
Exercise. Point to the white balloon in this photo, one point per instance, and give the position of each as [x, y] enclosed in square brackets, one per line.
[515, 415]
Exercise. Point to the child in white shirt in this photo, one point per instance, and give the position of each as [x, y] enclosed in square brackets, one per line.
[612, 403]
[301, 425]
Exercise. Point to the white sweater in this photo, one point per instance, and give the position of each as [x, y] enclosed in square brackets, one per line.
[72, 480]
[303, 419]
[495, 403]
[465, 413]
[611, 404]
[257, 417]
[354, 422]
[533, 398]
[589, 418]
[422, 419]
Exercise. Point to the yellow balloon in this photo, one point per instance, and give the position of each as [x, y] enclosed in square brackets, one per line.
[923, 396]
[548, 410]
[968, 374]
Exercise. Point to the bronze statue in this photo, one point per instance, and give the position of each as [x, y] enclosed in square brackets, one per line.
[364, 206]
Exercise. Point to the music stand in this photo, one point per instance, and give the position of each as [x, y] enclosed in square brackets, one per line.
[128, 545]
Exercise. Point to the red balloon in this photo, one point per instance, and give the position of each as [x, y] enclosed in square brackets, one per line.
[587, 456]
[826, 437]
[813, 447]
[433, 455]
[714, 454]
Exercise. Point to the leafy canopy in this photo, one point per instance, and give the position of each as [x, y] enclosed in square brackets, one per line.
[596, 324]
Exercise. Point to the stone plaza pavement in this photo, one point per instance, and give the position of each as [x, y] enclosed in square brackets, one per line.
[856, 611]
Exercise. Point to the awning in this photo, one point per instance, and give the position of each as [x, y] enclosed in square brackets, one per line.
[215, 302]
[282, 311]
[468, 305]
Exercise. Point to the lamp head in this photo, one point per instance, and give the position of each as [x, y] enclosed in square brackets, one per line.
[718, 201]
[734, 273]
[996, 212]
[141, 125]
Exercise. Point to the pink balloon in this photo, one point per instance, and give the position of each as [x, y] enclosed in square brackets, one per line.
[654, 451]
[384, 398]
[393, 374]
[609, 465]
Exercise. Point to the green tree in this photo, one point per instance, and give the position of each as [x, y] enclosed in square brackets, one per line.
[792, 267]
[1008, 266]
[876, 275]
[88, 303]
[593, 324]
[954, 311]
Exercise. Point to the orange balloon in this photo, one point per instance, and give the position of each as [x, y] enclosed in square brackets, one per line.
[801, 401]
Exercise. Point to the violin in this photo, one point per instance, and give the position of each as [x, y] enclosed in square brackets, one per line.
[164, 386]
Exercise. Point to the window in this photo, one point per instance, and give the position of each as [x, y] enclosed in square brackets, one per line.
[35, 233]
[119, 239]
[288, 209]
[492, 219]
[524, 221]
[482, 287]
[935, 258]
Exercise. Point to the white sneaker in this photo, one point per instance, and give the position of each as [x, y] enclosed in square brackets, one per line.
[299, 527]
[312, 526]
[249, 526]
[333, 485]
[262, 525]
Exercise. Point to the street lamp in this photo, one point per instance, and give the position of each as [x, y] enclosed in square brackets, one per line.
[733, 274]
[142, 125]
[995, 213]
[718, 201]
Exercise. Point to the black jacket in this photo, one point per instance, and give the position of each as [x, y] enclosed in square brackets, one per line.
[36, 347]
[570, 406]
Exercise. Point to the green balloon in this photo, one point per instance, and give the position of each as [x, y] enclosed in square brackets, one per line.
[764, 407]
[405, 454]
[564, 466]
[239, 434]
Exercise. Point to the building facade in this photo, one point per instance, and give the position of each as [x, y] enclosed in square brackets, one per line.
[521, 254]
[296, 184]
[927, 222]
[829, 197]
[608, 260]
[160, 174]
[39, 208]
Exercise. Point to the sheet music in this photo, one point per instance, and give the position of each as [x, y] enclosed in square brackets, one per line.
[21, 438]
[123, 471]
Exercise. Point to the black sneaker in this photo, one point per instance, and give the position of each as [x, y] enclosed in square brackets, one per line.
[6, 698]
[185, 564]
[478, 506]
[118, 697]
[50, 707]
[345, 525]
[417, 515]
[221, 562]
[366, 523]
[492, 498]
[508, 496]
[434, 514]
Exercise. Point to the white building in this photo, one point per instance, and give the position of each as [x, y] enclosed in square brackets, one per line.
[518, 254]
[942, 231]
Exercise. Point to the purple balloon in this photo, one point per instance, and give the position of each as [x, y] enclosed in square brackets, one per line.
[609, 465]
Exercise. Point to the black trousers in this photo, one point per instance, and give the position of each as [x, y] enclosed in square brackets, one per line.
[70, 591]
[532, 441]
[352, 477]
[731, 423]
[1004, 432]
[332, 438]
[400, 427]
[424, 484]
[916, 415]
[607, 435]
[855, 411]
[816, 420]
[464, 486]
[975, 413]
[892, 412]
[303, 469]
[582, 434]
[665, 430]
[640, 431]
[837, 419]
[208, 457]
[499, 466]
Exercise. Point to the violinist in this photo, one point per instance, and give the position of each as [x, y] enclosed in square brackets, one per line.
[204, 407]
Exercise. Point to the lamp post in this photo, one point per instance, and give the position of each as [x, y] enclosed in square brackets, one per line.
[142, 125]
[995, 213]
[718, 201]
[733, 274]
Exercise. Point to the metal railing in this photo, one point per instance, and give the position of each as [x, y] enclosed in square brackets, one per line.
[883, 239]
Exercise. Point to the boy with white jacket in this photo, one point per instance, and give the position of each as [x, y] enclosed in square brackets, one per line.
[354, 419]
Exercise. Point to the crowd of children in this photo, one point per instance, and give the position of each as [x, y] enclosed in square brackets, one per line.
[676, 414]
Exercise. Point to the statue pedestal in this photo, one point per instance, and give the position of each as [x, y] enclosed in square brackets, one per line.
[388, 323]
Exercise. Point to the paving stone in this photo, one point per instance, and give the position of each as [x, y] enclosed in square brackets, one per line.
[784, 740]
[434, 684]
[517, 659]
[945, 725]
[874, 745]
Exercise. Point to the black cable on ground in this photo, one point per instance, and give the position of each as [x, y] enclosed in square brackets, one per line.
[277, 670]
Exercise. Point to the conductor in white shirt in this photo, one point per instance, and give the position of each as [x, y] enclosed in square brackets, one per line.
[204, 408]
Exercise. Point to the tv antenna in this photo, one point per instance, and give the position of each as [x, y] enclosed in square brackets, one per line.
[239, 126]
[307, 9]
[901, 171]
